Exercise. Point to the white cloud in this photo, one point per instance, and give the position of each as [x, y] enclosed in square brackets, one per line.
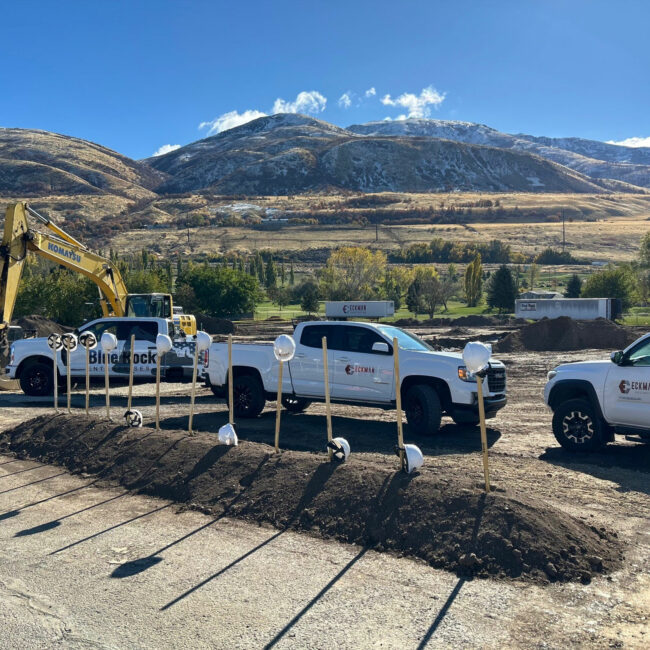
[306, 102]
[631, 142]
[230, 120]
[166, 148]
[371, 92]
[417, 105]
[345, 100]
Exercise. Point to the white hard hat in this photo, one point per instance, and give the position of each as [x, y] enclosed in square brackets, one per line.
[133, 418]
[340, 448]
[476, 356]
[203, 340]
[108, 341]
[69, 341]
[284, 347]
[227, 435]
[414, 458]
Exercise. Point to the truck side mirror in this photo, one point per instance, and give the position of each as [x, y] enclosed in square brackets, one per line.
[380, 346]
[617, 357]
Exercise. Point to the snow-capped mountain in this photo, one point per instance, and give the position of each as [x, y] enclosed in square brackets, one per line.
[598, 160]
[285, 154]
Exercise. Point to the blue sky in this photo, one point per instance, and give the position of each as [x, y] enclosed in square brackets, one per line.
[136, 75]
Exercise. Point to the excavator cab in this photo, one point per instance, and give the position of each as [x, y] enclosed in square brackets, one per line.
[152, 305]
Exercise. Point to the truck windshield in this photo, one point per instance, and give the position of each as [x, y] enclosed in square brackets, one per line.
[405, 340]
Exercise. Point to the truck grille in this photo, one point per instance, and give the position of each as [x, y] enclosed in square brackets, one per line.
[496, 380]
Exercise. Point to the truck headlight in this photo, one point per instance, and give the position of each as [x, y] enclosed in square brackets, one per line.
[465, 375]
[551, 374]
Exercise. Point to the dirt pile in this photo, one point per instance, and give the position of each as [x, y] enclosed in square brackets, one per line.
[213, 325]
[40, 326]
[564, 333]
[448, 524]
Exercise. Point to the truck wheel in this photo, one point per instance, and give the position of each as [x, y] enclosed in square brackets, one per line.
[36, 379]
[577, 427]
[248, 396]
[295, 404]
[423, 411]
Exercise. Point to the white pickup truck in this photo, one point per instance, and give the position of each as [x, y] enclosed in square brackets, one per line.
[361, 371]
[30, 360]
[593, 400]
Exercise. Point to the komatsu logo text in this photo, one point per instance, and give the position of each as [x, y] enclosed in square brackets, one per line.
[59, 250]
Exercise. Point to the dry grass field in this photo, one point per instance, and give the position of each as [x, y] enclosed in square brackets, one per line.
[598, 226]
[610, 239]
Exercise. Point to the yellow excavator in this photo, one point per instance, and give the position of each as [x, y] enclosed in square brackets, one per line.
[60, 247]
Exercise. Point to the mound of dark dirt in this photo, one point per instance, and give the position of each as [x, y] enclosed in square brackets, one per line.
[40, 326]
[564, 334]
[449, 525]
[213, 325]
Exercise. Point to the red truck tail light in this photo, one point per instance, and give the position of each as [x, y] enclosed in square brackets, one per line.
[206, 358]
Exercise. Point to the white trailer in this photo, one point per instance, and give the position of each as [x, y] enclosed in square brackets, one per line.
[360, 309]
[576, 308]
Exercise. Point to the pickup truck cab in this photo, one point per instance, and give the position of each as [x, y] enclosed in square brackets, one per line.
[30, 360]
[361, 371]
[594, 400]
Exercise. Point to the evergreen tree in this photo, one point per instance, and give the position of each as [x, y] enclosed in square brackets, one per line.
[474, 282]
[291, 276]
[413, 299]
[270, 274]
[310, 297]
[283, 274]
[573, 287]
[502, 291]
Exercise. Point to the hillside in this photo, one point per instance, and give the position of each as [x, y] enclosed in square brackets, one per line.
[598, 160]
[287, 154]
[38, 163]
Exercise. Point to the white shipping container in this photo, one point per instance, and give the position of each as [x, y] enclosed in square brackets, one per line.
[360, 309]
[576, 308]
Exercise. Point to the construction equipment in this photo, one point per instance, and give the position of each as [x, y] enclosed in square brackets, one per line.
[60, 247]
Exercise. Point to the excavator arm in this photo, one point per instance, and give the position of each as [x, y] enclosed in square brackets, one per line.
[57, 246]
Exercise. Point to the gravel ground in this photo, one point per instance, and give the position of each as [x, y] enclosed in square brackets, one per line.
[300, 590]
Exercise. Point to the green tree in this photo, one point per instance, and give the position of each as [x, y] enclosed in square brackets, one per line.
[573, 287]
[413, 298]
[533, 273]
[292, 278]
[502, 291]
[429, 288]
[612, 282]
[270, 274]
[309, 297]
[221, 291]
[474, 282]
[353, 273]
[283, 275]
[644, 251]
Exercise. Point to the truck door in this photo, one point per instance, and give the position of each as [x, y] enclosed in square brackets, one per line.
[627, 388]
[144, 352]
[360, 373]
[307, 365]
[95, 358]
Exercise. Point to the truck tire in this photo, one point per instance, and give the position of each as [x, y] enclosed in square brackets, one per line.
[248, 396]
[577, 426]
[295, 404]
[423, 410]
[36, 379]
